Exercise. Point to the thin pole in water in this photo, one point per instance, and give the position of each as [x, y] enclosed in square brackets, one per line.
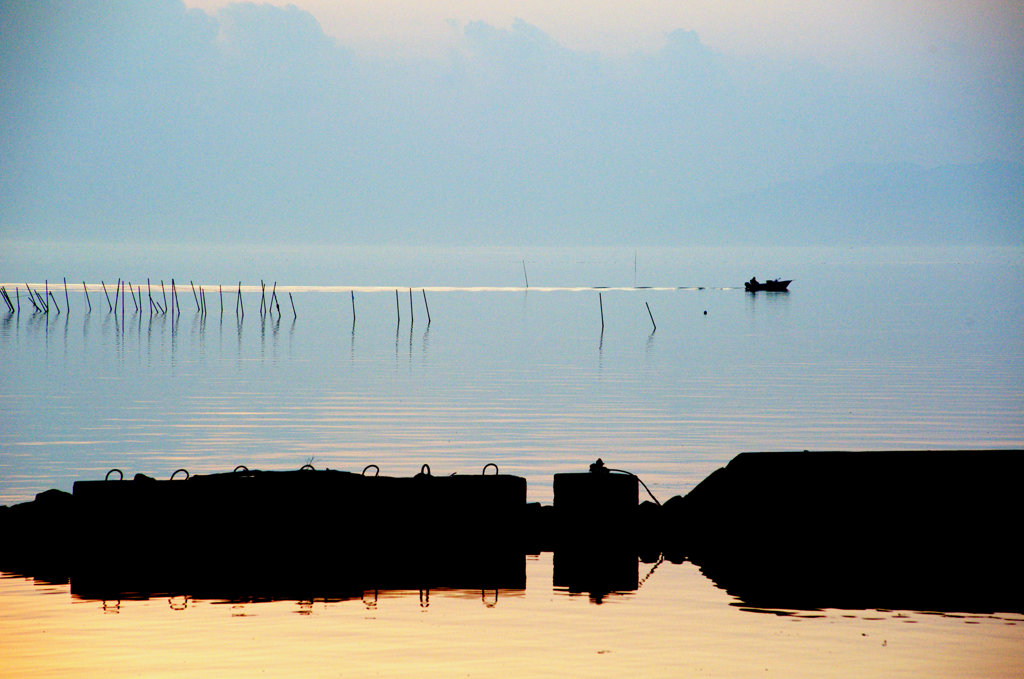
[600, 301]
[263, 296]
[398, 310]
[294, 313]
[412, 314]
[198, 308]
[109, 307]
[240, 305]
[427, 306]
[117, 291]
[220, 291]
[353, 293]
[525, 277]
[30, 298]
[88, 301]
[274, 300]
[67, 301]
[652, 316]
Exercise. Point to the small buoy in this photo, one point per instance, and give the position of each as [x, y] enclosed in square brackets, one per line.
[705, 312]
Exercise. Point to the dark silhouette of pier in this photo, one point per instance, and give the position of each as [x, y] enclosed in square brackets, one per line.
[918, 530]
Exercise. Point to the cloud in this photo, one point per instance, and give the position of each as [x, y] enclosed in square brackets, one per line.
[144, 119]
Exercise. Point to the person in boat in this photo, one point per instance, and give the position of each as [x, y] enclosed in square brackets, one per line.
[753, 281]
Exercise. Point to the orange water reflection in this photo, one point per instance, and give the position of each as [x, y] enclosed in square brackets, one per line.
[676, 624]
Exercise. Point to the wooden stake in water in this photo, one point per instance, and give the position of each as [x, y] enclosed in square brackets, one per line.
[240, 305]
[274, 300]
[174, 299]
[600, 301]
[294, 313]
[194, 295]
[220, 291]
[55, 305]
[652, 316]
[263, 297]
[117, 291]
[87, 300]
[31, 298]
[398, 310]
[525, 277]
[109, 306]
[44, 306]
[32, 294]
[353, 293]
[412, 315]
[425, 305]
[67, 301]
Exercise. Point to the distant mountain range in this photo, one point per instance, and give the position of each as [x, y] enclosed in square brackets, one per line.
[877, 204]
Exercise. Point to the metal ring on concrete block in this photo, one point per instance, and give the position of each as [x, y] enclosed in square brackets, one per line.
[490, 464]
[119, 473]
[377, 473]
[180, 470]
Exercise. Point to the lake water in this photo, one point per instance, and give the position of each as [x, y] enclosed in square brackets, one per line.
[881, 348]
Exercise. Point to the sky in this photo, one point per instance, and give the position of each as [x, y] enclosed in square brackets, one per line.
[508, 123]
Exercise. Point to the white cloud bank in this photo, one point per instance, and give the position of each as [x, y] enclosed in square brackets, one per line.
[144, 119]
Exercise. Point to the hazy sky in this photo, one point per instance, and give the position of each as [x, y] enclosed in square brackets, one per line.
[911, 33]
[530, 121]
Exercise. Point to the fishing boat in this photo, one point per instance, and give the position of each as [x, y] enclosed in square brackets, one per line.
[753, 285]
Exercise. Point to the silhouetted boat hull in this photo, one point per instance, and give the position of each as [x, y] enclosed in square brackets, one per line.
[767, 286]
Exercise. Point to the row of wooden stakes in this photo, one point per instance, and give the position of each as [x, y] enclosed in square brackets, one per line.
[160, 304]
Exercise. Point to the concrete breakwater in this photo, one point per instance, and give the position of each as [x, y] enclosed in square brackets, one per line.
[928, 530]
[925, 530]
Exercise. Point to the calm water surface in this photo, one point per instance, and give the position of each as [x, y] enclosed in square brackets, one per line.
[872, 349]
